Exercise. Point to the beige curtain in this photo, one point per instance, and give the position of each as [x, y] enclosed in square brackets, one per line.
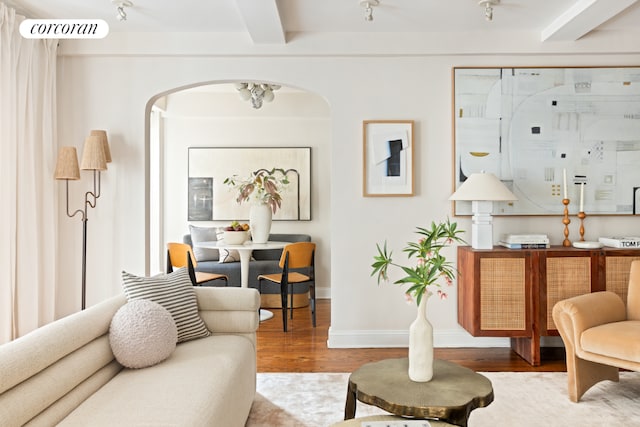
[28, 192]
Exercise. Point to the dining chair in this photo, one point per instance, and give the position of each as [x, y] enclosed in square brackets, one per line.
[296, 260]
[180, 255]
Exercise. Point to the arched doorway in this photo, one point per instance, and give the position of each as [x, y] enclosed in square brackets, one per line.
[213, 114]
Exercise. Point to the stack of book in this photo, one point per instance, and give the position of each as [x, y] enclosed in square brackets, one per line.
[524, 241]
[621, 242]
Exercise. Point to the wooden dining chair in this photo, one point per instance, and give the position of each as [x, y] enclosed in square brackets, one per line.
[180, 255]
[295, 256]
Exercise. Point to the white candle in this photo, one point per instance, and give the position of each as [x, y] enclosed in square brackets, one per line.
[564, 182]
[582, 197]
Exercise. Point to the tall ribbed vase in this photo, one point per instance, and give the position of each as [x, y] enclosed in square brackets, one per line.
[421, 345]
[260, 222]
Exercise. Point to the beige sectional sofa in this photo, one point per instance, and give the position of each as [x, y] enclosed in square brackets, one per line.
[65, 373]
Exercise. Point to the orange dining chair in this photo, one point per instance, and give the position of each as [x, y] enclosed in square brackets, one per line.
[295, 256]
[180, 255]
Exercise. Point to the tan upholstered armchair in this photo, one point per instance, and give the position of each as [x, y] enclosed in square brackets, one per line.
[600, 335]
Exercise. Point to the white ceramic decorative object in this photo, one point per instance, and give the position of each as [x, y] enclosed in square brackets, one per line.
[421, 345]
[260, 222]
[235, 237]
[587, 245]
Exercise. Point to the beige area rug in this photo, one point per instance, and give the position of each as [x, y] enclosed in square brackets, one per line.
[522, 399]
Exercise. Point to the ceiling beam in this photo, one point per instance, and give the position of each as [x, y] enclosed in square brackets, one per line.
[262, 20]
[581, 18]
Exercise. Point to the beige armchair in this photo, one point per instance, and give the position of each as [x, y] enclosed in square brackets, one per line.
[600, 335]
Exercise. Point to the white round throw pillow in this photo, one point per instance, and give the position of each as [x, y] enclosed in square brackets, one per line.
[142, 334]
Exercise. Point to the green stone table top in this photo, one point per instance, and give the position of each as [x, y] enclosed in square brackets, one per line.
[451, 395]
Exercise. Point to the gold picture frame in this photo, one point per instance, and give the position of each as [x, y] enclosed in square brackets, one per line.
[388, 154]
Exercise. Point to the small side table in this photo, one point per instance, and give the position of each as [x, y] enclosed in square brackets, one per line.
[450, 396]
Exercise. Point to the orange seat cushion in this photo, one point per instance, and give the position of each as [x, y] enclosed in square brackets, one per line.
[294, 277]
[202, 276]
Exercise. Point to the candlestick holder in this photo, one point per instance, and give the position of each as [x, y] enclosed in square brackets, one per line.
[582, 216]
[566, 221]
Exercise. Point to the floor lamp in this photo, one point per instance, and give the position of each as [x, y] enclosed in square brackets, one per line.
[95, 156]
[482, 189]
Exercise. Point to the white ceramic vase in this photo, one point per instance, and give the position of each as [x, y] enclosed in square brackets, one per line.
[421, 345]
[260, 222]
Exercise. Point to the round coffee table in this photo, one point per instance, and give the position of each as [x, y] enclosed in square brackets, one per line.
[388, 419]
[450, 396]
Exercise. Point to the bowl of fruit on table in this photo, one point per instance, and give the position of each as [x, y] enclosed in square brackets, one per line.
[236, 233]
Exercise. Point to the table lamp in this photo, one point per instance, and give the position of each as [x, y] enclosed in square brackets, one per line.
[482, 189]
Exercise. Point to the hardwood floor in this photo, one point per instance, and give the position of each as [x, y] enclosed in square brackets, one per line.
[304, 349]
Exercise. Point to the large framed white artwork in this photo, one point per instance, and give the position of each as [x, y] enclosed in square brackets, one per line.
[530, 126]
[211, 199]
[387, 158]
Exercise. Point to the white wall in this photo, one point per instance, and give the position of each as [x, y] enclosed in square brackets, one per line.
[361, 80]
[219, 118]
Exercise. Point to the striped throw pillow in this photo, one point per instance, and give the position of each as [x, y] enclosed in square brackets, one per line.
[174, 292]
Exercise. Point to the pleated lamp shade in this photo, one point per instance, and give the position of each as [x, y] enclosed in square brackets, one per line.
[105, 143]
[93, 157]
[67, 164]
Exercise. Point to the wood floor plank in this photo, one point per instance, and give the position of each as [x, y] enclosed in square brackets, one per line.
[304, 349]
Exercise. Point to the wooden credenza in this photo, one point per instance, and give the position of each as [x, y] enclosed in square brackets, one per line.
[511, 292]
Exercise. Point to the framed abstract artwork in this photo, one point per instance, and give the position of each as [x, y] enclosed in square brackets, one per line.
[531, 126]
[200, 193]
[210, 199]
[387, 158]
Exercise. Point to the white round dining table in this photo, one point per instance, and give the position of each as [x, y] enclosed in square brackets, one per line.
[245, 250]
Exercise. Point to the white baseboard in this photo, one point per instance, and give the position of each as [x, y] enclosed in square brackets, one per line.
[323, 293]
[400, 338]
[385, 339]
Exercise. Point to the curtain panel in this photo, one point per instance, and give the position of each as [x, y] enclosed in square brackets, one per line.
[28, 192]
